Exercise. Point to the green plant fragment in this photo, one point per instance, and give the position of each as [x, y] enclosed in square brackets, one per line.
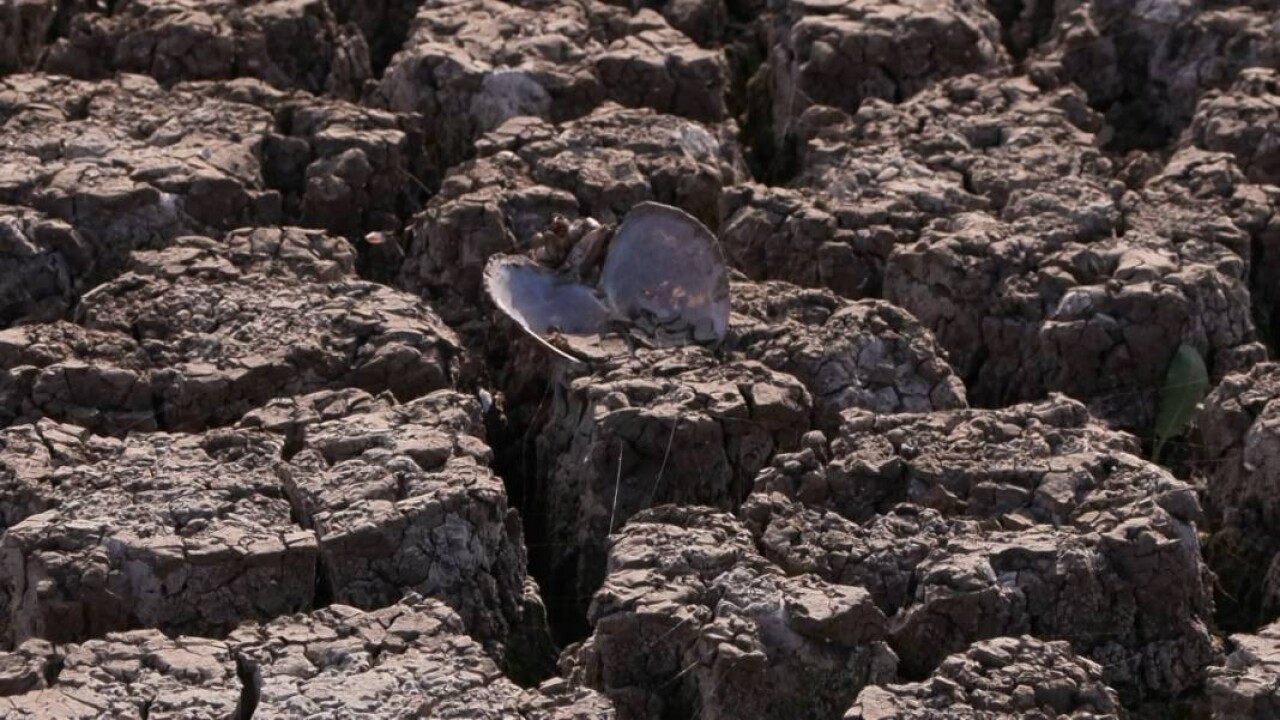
[1185, 385]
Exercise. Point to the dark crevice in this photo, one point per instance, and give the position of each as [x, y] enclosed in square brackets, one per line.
[294, 441]
[379, 260]
[1138, 124]
[566, 611]
[1022, 28]
[513, 436]
[972, 374]
[1143, 112]
[53, 670]
[323, 596]
[250, 687]
[61, 26]
[390, 33]
[1239, 555]
[530, 655]
[1262, 297]
[1190, 705]
[745, 55]
[750, 101]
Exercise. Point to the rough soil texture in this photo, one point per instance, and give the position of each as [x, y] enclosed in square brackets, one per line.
[268, 448]
[661, 427]
[969, 525]
[991, 215]
[401, 496]
[1076, 537]
[335, 496]
[693, 622]
[182, 533]
[867, 354]
[410, 659]
[197, 334]
[1247, 684]
[290, 44]
[1006, 677]
[467, 67]
[842, 54]
[132, 165]
[124, 674]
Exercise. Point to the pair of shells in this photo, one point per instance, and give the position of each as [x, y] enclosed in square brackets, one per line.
[663, 276]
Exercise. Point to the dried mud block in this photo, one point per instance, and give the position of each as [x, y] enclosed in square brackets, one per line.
[840, 54]
[1202, 196]
[44, 265]
[401, 497]
[1008, 677]
[1032, 519]
[1243, 120]
[1023, 315]
[645, 62]
[670, 426]
[131, 165]
[800, 235]
[1133, 598]
[469, 65]
[1048, 462]
[176, 532]
[529, 171]
[616, 157]
[288, 43]
[869, 183]
[1008, 143]
[200, 333]
[347, 168]
[866, 354]
[407, 660]
[1247, 686]
[1237, 446]
[880, 555]
[691, 621]
[140, 673]
[29, 454]
[710, 23]
[1147, 64]
[1202, 193]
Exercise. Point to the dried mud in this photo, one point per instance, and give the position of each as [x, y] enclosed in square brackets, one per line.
[268, 449]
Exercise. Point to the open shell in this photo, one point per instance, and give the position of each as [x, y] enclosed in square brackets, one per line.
[663, 274]
[665, 269]
[543, 302]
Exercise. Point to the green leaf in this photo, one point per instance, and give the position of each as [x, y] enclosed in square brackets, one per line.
[1185, 385]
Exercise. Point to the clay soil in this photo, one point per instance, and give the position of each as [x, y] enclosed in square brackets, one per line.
[268, 450]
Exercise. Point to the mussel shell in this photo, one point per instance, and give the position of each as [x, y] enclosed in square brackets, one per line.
[543, 302]
[666, 267]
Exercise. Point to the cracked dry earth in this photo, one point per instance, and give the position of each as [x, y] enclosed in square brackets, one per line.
[268, 450]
